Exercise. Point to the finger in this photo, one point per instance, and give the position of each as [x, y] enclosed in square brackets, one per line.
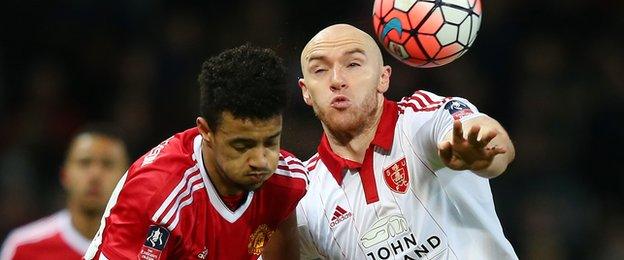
[458, 132]
[487, 138]
[473, 133]
[445, 150]
[495, 150]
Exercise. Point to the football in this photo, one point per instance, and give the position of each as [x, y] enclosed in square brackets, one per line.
[426, 33]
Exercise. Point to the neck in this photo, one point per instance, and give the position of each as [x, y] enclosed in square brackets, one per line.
[86, 222]
[353, 146]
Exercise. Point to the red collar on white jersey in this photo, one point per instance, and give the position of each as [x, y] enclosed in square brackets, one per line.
[384, 137]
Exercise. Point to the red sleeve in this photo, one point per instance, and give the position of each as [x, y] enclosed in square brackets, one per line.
[129, 227]
[290, 183]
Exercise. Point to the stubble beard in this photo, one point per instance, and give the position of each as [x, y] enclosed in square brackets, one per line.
[92, 209]
[351, 122]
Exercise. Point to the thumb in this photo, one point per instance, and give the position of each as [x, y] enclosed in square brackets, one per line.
[445, 150]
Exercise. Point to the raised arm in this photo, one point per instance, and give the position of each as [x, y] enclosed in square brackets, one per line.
[485, 148]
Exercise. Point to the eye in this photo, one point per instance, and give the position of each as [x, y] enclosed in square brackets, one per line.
[353, 64]
[271, 144]
[84, 162]
[108, 164]
[240, 147]
[319, 71]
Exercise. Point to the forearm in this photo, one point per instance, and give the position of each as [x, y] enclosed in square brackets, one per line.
[284, 243]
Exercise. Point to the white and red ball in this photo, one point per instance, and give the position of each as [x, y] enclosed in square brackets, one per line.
[427, 33]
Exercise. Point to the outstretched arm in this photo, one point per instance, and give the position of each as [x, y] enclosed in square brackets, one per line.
[284, 242]
[485, 149]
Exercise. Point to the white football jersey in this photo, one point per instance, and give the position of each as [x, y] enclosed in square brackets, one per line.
[400, 202]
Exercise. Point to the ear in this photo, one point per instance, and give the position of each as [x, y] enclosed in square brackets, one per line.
[384, 81]
[63, 178]
[204, 130]
[304, 92]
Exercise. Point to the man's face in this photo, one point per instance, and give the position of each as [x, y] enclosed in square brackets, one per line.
[93, 166]
[246, 152]
[343, 78]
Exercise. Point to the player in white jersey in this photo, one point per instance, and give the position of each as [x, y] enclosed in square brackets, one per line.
[395, 180]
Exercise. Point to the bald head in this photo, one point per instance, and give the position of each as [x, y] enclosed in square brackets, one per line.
[337, 35]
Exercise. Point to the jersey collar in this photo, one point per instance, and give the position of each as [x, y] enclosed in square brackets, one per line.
[384, 136]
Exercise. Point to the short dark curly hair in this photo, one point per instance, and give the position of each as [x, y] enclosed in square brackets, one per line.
[247, 81]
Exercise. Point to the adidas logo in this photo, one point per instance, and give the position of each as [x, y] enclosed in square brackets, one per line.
[339, 215]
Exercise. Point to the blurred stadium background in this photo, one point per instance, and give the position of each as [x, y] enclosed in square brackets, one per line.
[551, 71]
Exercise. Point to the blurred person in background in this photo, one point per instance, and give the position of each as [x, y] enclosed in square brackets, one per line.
[406, 180]
[94, 162]
[221, 190]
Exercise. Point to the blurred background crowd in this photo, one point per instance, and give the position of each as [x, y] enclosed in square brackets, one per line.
[552, 72]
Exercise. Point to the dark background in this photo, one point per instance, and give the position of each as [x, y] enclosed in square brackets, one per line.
[550, 71]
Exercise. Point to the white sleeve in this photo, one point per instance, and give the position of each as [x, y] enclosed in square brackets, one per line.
[307, 247]
[8, 247]
[440, 124]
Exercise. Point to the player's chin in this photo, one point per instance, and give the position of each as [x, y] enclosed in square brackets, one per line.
[253, 186]
[255, 182]
[92, 207]
[343, 123]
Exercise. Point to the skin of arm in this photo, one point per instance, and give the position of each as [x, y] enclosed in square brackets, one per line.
[284, 242]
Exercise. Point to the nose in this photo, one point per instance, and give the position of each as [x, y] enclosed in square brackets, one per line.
[258, 159]
[337, 80]
[95, 170]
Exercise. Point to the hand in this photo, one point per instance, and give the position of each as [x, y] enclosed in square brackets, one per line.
[469, 153]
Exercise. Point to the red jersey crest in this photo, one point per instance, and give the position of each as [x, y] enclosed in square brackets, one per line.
[397, 177]
[258, 239]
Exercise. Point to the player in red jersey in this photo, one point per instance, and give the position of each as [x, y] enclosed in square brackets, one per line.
[94, 162]
[221, 190]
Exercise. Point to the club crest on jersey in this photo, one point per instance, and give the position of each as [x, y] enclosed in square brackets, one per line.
[258, 239]
[155, 242]
[397, 176]
[457, 109]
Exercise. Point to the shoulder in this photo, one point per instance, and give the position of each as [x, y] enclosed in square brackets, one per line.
[164, 173]
[424, 101]
[422, 106]
[171, 153]
[312, 162]
[421, 101]
[168, 161]
[317, 174]
[32, 233]
[290, 179]
[291, 171]
[285, 188]
[316, 171]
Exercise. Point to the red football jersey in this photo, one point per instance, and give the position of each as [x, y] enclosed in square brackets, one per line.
[52, 237]
[165, 207]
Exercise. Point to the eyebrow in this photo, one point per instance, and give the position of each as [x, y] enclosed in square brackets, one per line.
[348, 52]
[316, 57]
[251, 140]
[275, 135]
[354, 51]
